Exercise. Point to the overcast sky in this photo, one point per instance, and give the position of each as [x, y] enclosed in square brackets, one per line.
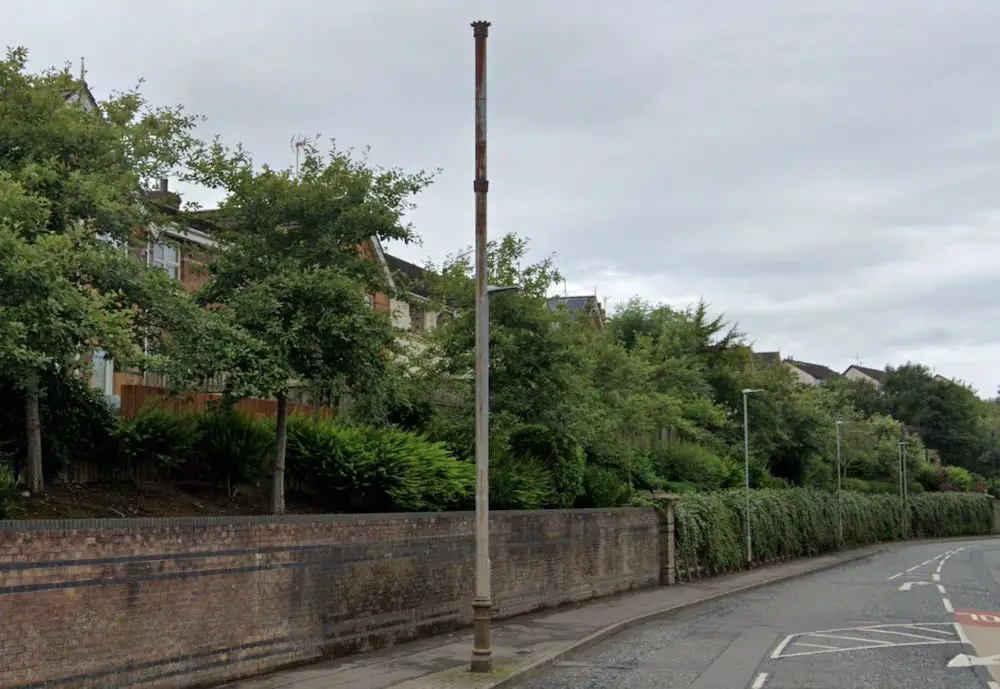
[824, 172]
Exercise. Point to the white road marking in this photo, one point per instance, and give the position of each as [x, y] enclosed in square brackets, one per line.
[947, 605]
[941, 589]
[914, 567]
[759, 682]
[907, 586]
[870, 647]
[866, 638]
[925, 562]
[962, 636]
[781, 646]
[930, 631]
[896, 576]
[913, 636]
[936, 576]
[965, 660]
[843, 637]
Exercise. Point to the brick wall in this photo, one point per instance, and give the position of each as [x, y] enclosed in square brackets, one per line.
[180, 602]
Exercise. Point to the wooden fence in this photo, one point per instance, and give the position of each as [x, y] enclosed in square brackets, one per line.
[136, 397]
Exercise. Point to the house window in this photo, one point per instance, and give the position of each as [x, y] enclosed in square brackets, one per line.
[417, 320]
[167, 258]
[102, 372]
[369, 301]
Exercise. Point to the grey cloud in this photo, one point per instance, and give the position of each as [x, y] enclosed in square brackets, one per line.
[822, 172]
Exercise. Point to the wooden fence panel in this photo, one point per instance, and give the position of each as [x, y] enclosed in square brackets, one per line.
[135, 397]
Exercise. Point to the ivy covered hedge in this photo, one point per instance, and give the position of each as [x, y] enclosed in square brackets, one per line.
[710, 527]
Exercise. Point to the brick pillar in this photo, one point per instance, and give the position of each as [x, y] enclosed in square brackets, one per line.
[668, 545]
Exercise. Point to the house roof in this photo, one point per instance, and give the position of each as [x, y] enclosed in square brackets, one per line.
[576, 305]
[874, 373]
[81, 91]
[766, 358]
[413, 275]
[817, 371]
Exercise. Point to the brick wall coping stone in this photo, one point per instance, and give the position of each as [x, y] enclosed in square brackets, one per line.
[130, 523]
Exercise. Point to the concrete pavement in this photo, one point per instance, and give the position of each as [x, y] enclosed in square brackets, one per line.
[922, 616]
[525, 646]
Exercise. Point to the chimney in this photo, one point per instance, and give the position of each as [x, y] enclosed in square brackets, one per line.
[162, 196]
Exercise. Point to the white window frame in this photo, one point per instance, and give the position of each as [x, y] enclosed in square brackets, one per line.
[171, 268]
[102, 374]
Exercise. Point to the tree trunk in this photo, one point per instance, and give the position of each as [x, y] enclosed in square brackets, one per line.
[281, 435]
[32, 415]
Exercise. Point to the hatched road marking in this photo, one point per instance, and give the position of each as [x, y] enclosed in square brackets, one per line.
[866, 638]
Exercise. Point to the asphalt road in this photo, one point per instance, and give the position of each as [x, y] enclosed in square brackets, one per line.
[925, 616]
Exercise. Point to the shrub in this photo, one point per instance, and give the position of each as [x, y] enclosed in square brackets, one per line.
[930, 477]
[690, 463]
[602, 487]
[77, 423]
[364, 469]
[710, 528]
[559, 452]
[161, 440]
[935, 515]
[231, 448]
[518, 483]
[958, 477]
[7, 488]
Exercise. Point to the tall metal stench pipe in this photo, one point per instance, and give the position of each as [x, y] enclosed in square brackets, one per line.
[482, 603]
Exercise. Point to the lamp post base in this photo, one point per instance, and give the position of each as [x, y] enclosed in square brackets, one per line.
[482, 651]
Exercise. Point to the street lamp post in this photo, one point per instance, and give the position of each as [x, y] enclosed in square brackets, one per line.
[902, 487]
[482, 601]
[746, 470]
[840, 506]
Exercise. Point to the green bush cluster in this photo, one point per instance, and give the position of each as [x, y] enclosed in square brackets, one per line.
[7, 488]
[345, 468]
[77, 424]
[367, 469]
[710, 527]
[939, 515]
[219, 447]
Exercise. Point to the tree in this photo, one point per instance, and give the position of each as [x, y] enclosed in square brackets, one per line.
[538, 391]
[948, 416]
[292, 272]
[71, 178]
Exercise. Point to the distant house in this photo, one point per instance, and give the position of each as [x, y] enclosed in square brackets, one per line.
[863, 374]
[761, 360]
[588, 307]
[810, 374]
[415, 313]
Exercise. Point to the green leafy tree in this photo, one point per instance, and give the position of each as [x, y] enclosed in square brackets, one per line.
[71, 178]
[537, 383]
[292, 273]
[948, 416]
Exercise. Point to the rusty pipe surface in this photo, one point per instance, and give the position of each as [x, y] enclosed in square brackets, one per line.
[482, 652]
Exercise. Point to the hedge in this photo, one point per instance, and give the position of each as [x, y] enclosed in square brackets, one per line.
[710, 528]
